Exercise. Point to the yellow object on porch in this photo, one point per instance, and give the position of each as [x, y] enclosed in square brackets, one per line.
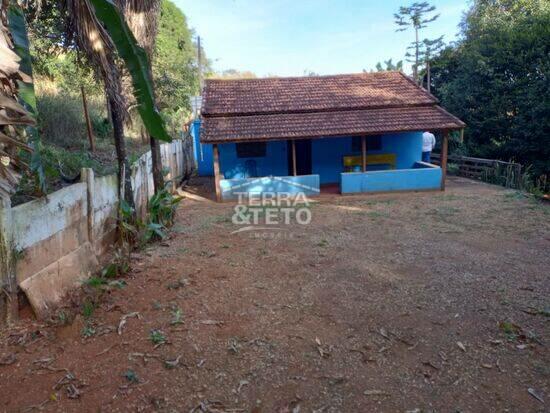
[380, 159]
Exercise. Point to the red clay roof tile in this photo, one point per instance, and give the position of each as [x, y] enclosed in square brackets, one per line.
[325, 124]
[312, 107]
[309, 94]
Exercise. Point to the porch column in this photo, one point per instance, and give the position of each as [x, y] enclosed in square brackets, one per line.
[364, 153]
[217, 172]
[444, 148]
[293, 145]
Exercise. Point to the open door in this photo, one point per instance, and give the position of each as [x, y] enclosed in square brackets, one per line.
[303, 157]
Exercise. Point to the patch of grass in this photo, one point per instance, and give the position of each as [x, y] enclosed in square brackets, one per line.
[96, 282]
[376, 214]
[62, 318]
[88, 331]
[444, 211]
[131, 376]
[323, 243]
[510, 330]
[157, 337]
[88, 309]
[177, 317]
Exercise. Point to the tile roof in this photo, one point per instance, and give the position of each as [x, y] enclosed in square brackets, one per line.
[325, 124]
[312, 93]
[300, 107]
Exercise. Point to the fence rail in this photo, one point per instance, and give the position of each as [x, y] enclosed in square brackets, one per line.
[489, 170]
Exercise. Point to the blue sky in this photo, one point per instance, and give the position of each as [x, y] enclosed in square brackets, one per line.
[289, 37]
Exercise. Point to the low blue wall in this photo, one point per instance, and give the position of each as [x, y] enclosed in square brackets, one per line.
[307, 184]
[422, 176]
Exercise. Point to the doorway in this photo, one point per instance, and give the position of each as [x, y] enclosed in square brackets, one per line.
[303, 157]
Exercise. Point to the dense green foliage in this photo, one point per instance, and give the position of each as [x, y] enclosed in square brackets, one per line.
[174, 65]
[137, 64]
[496, 79]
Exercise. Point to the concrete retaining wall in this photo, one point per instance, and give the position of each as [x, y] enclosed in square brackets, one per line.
[59, 240]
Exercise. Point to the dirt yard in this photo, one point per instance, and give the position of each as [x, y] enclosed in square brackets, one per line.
[420, 302]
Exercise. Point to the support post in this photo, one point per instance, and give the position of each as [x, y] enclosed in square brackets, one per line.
[444, 149]
[87, 176]
[364, 153]
[91, 138]
[9, 305]
[217, 172]
[293, 144]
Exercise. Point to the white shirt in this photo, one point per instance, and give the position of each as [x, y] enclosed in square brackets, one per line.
[428, 142]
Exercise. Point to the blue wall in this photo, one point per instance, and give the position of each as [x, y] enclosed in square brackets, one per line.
[203, 152]
[328, 153]
[327, 156]
[275, 161]
[307, 184]
[421, 176]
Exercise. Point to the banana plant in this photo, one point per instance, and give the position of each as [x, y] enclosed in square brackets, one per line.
[137, 63]
[17, 102]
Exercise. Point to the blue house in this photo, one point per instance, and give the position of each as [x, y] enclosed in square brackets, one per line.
[346, 133]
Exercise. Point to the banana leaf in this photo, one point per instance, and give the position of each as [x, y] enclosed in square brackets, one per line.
[137, 63]
[26, 95]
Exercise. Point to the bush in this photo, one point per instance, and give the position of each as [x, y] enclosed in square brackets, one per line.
[61, 119]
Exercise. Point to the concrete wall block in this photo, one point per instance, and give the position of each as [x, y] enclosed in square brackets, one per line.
[38, 256]
[40, 219]
[47, 288]
[41, 289]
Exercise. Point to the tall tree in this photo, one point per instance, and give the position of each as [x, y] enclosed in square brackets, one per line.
[142, 18]
[496, 79]
[389, 66]
[92, 38]
[416, 16]
[430, 48]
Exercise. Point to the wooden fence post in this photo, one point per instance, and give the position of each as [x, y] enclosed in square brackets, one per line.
[9, 305]
[91, 138]
[444, 149]
[217, 172]
[364, 153]
[87, 176]
[293, 146]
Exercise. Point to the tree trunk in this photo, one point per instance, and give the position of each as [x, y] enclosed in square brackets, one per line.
[158, 178]
[429, 76]
[124, 173]
[91, 138]
[9, 306]
[415, 67]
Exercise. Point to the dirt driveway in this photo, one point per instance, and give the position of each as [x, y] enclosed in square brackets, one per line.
[390, 303]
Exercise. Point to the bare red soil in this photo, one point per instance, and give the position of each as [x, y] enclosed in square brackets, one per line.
[413, 302]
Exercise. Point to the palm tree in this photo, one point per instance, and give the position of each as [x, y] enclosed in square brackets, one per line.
[92, 38]
[142, 18]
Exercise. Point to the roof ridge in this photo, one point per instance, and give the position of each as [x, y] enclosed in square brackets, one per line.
[420, 88]
[356, 74]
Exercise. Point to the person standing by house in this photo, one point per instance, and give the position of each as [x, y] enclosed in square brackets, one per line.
[428, 144]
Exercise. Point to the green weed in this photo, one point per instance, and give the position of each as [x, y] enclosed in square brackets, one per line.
[157, 337]
[88, 309]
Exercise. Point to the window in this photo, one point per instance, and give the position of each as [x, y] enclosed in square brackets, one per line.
[374, 143]
[251, 150]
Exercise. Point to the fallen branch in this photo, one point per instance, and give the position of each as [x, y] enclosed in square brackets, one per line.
[124, 318]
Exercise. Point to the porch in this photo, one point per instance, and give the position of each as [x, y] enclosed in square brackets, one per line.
[344, 165]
